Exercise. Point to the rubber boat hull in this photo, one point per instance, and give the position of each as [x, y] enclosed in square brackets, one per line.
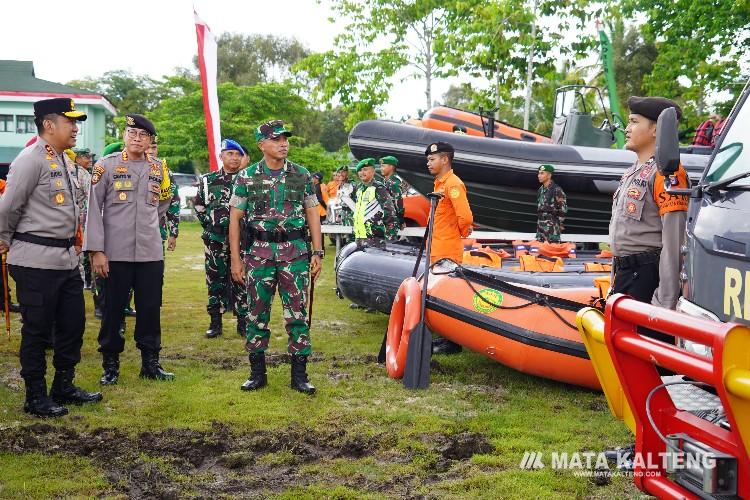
[501, 175]
[532, 339]
[370, 278]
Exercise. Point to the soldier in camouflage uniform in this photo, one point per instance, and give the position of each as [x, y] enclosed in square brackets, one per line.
[83, 164]
[170, 223]
[396, 186]
[275, 197]
[551, 207]
[212, 209]
[374, 212]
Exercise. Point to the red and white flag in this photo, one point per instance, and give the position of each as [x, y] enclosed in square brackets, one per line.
[207, 62]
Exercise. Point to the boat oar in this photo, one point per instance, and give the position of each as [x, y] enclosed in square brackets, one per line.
[417, 370]
[381, 354]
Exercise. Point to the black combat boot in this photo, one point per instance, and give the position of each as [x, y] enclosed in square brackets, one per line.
[150, 367]
[38, 404]
[299, 375]
[111, 366]
[241, 327]
[215, 328]
[258, 377]
[64, 392]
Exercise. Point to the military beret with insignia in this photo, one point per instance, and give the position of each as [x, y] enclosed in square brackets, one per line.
[547, 168]
[135, 120]
[112, 148]
[438, 147]
[271, 130]
[651, 107]
[231, 145]
[389, 160]
[365, 162]
[58, 106]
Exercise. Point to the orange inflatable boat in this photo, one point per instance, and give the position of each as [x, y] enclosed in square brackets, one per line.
[445, 118]
[501, 315]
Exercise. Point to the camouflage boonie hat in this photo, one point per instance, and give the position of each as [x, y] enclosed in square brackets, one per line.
[271, 130]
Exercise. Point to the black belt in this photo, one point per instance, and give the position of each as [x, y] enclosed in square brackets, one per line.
[47, 242]
[636, 260]
[278, 236]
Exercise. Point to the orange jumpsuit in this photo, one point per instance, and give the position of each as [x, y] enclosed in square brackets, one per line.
[453, 219]
[324, 194]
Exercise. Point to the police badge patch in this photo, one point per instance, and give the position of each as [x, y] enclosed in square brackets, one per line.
[97, 173]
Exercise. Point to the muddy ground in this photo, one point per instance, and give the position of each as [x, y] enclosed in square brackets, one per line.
[174, 463]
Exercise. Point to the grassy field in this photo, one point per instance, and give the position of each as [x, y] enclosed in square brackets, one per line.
[361, 435]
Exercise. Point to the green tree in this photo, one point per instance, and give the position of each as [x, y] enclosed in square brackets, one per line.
[700, 46]
[381, 38]
[183, 140]
[253, 59]
[128, 92]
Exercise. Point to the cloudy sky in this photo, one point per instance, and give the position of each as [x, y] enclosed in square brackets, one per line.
[78, 38]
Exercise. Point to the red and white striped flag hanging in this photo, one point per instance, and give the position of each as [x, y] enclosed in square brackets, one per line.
[207, 62]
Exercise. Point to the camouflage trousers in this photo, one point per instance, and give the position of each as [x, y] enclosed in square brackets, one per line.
[548, 229]
[224, 294]
[88, 274]
[292, 279]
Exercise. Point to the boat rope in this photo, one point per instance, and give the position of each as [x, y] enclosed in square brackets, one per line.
[540, 299]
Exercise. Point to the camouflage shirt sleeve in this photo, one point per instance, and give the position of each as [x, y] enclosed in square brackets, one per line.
[239, 192]
[173, 212]
[310, 199]
[389, 211]
[561, 203]
[199, 202]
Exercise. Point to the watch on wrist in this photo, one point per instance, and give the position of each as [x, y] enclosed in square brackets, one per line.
[319, 253]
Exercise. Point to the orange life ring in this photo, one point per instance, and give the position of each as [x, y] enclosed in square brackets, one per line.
[404, 318]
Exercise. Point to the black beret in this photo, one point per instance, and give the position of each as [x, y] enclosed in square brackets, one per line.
[58, 106]
[651, 107]
[438, 147]
[139, 121]
[318, 176]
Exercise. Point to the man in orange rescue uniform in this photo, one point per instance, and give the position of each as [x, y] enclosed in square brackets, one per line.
[453, 218]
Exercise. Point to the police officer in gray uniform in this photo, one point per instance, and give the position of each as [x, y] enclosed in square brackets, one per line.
[126, 204]
[39, 222]
[648, 223]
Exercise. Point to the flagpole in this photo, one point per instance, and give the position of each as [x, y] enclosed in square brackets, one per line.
[207, 65]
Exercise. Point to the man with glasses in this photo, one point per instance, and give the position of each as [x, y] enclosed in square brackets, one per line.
[277, 201]
[39, 222]
[122, 233]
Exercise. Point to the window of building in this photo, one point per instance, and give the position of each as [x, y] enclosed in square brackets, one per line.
[6, 123]
[25, 125]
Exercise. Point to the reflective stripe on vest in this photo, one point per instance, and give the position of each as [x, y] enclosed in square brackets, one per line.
[361, 212]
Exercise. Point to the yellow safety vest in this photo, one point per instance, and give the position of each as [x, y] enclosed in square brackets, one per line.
[363, 200]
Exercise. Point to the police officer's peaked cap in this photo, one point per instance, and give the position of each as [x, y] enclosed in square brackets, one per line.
[389, 160]
[547, 168]
[365, 162]
[58, 106]
[651, 107]
[438, 147]
[134, 120]
[231, 145]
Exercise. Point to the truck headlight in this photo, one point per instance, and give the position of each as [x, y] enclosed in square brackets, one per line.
[687, 307]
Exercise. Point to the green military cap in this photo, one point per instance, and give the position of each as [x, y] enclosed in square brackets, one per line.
[389, 160]
[271, 130]
[547, 168]
[82, 151]
[112, 148]
[365, 162]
